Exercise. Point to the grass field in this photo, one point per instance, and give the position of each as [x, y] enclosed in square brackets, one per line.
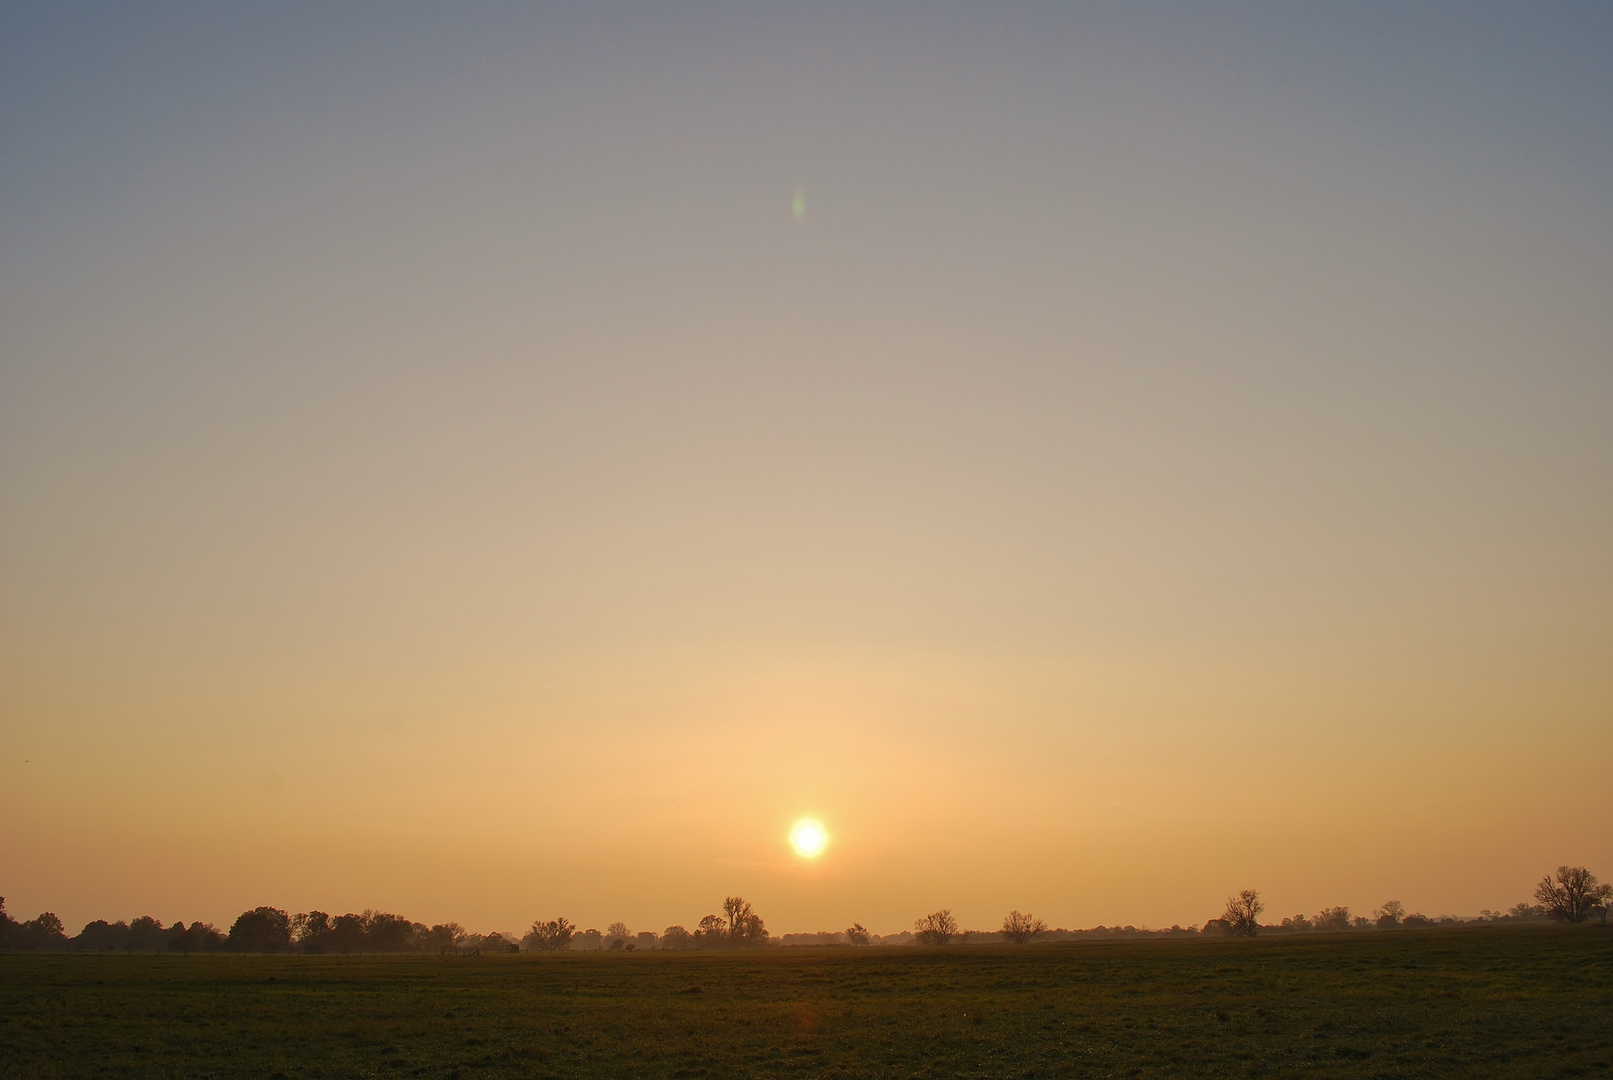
[1479, 1002]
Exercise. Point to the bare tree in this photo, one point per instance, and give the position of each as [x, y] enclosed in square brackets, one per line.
[737, 908]
[1241, 912]
[1021, 929]
[856, 934]
[551, 936]
[616, 935]
[936, 928]
[745, 927]
[1390, 914]
[1574, 895]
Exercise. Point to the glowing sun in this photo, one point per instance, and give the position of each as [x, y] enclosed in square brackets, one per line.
[808, 838]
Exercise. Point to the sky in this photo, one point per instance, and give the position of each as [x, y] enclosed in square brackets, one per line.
[491, 462]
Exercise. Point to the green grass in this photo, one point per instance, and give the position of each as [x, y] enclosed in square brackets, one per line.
[1479, 1002]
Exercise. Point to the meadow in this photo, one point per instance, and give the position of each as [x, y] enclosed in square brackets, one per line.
[1491, 1002]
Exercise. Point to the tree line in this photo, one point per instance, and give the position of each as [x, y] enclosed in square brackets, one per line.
[1572, 895]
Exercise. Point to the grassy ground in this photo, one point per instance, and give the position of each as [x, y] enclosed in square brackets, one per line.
[1492, 1002]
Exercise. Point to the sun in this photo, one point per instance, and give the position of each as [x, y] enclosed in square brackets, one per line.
[808, 838]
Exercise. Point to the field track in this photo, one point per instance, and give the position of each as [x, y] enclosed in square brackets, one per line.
[1493, 1002]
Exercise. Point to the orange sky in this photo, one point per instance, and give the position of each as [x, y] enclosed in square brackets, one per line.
[441, 472]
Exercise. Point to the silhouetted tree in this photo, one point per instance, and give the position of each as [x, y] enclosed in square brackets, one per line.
[1388, 917]
[102, 936]
[6, 924]
[752, 932]
[43, 931]
[385, 932]
[263, 929]
[745, 927]
[145, 934]
[551, 936]
[616, 935]
[646, 939]
[346, 934]
[712, 932]
[1333, 918]
[1021, 929]
[1241, 913]
[311, 929]
[197, 937]
[936, 928]
[445, 938]
[1574, 895]
[677, 937]
[856, 934]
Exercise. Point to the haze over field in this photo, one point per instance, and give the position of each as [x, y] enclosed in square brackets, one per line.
[507, 461]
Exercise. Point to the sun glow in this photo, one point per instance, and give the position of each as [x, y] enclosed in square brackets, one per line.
[808, 838]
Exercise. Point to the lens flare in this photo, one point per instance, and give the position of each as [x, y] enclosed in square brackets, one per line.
[808, 838]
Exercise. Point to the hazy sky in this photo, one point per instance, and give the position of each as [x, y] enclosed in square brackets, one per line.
[441, 471]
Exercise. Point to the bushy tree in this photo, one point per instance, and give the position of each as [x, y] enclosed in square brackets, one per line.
[677, 937]
[43, 931]
[197, 937]
[551, 936]
[752, 932]
[1333, 918]
[856, 934]
[444, 938]
[346, 934]
[936, 928]
[263, 929]
[102, 936]
[711, 932]
[311, 930]
[385, 932]
[1022, 929]
[146, 934]
[1242, 912]
[1574, 895]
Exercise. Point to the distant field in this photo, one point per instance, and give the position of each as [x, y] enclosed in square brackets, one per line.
[1478, 1002]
